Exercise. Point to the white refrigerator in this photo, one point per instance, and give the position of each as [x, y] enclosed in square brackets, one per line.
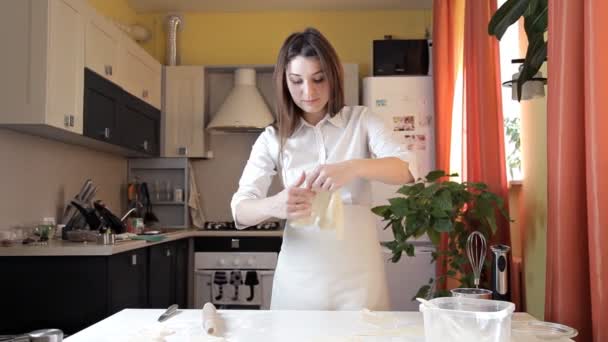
[406, 105]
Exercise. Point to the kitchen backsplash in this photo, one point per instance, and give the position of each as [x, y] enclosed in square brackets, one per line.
[38, 176]
[218, 178]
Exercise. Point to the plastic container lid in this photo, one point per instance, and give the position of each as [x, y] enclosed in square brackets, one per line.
[462, 306]
[543, 330]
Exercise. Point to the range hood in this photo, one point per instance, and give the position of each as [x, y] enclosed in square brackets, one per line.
[244, 110]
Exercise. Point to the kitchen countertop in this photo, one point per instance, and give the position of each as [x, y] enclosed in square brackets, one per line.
[67, 248]
[252, 326]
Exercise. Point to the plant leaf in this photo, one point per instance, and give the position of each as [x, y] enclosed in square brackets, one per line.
[396, 257]
[381, 210]
[505, 16]
[434, 175]
[535, 57]
[423, 292]
[398, 232]
[399, 206]
[434, 236]
[443, 225]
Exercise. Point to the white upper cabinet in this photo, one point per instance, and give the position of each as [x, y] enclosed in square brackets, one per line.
[101, 54]
[140, 74]
[42, 82]
[183, 121]
[113, 55]
[65, 66]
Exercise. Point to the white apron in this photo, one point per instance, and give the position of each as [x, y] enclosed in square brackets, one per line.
[317, 271]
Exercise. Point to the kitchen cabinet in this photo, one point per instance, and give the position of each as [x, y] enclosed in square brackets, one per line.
[102, 48]
[139, 126]
[117, 117]
[161, 282]
[183, 121]
[168, 276]
[102, 101]
[66, 292]
[42, 70]
[127, 278]
[73, 292]
[164, 176]
[181, 272]
[140, 74]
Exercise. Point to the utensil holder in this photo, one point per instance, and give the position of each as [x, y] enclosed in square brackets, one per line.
[106, 239]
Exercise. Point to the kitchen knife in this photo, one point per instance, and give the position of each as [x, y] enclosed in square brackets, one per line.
[172, 310]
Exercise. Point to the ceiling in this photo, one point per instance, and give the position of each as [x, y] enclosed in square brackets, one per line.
[274, 5]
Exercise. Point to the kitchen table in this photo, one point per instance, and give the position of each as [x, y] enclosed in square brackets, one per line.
[256, 326]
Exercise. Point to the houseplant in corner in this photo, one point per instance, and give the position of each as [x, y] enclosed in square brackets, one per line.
[535, 14]
[433, 207]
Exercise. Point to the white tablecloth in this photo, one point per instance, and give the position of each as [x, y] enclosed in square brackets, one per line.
[252, 326]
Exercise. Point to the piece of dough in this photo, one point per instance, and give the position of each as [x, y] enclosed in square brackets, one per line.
[327, 212]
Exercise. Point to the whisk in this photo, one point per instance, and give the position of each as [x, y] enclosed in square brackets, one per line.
[476, 251]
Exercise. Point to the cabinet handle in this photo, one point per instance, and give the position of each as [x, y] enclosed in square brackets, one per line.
[66, 120]
[106, 133]
[72, 119]
[182, 151]
[144, 94]
[134, 260]
[168, 252]
[145, 145]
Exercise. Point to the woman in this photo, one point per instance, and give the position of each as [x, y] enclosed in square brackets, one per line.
[319, 144]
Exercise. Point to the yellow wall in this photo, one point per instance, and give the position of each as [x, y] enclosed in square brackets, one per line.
[119, 10]
[255, 37]
[534, 202]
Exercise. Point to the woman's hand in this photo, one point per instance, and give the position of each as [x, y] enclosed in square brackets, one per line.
[331, 177]
[294, 202]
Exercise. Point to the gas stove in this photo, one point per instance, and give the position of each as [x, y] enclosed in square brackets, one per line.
[229, 225]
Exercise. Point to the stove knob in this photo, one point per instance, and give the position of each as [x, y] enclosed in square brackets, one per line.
[250, 262]
[236, 262]
[222, 262]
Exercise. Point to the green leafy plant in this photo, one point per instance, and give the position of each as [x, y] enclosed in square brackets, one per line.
[433, 207]
[536, 19]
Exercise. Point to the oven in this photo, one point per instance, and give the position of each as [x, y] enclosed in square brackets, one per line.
[236, 271]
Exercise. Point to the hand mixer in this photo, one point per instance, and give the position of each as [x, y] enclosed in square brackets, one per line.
[476, 251]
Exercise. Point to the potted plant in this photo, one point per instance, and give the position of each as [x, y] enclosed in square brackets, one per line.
[535, 14]
[434, 206]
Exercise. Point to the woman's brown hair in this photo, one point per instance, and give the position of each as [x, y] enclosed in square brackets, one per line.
[309, 43]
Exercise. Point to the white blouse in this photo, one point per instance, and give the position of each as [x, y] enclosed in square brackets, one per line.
[353, 133]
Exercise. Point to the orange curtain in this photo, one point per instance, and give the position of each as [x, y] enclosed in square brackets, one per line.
[447, 62]
[577, 152]
[485, 143]
[463, 49]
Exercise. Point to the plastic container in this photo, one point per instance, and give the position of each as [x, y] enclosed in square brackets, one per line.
[467, 319]
[471, 293]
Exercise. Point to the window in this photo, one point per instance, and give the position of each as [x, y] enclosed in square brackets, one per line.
[509, 49]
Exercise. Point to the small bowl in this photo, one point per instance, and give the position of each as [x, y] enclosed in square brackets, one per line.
[472, 293]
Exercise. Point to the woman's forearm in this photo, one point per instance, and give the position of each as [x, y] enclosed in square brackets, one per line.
[250, 212]
[389, 170]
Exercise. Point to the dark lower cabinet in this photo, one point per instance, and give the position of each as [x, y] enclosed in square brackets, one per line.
[168, 275]
[114, 116]
[181, 273]
[161, 282]
[73, 292]
[128, 280]
[49, 292]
